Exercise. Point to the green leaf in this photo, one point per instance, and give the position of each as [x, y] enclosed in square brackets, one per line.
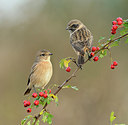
[101, 56]
[112, 117]
[103, 53]
[44, 119]
[42, 111]
[99, 41]
[37, 106]
[56, 100]
[121, 124]
[37, 123]
[49, 119]
[25, 119]
[65, 62]
[73, 87]
[48, 101]
[116, 43]
[40, 90]
[112, 36]
[29, 122]
[34, 119]
[38, 98]
[101, 38]
[125, 24]
[126, 40]
[62, 63]
[124, 31]
[54, 97]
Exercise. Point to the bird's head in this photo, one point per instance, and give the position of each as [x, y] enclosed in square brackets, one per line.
[74, 25]
[44, 55]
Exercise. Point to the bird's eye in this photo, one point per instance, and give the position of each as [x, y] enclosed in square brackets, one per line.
[42, 55]
[75, 25]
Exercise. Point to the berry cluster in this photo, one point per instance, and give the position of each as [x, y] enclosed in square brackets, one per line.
[114, 64]
[96, 58]
[118, 21]
[26, 103]
[36, 102]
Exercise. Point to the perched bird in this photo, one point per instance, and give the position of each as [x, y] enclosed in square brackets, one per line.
[41, 71]
[80, 39]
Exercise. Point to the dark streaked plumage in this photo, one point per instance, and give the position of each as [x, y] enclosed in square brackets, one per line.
[80, 39]
[41, 71]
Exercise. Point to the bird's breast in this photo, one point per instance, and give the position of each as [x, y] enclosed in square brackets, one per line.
[43, 74]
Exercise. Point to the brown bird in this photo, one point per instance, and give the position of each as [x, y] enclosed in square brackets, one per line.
[80, 39]
[41, 71]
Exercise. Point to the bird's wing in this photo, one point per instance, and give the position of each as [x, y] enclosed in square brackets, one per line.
[32, 71]
[78, 46]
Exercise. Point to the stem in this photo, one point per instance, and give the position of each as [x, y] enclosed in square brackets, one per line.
[77, 69]
[110, 56]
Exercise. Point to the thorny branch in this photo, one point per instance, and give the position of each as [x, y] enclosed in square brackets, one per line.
[77, 69]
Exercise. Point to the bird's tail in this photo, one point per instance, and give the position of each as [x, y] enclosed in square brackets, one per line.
[80, 59]
[27, 91]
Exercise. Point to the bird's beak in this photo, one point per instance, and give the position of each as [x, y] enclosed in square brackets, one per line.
[50, 54]
[67, 28]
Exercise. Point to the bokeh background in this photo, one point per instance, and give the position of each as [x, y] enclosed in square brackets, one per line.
[27, 26]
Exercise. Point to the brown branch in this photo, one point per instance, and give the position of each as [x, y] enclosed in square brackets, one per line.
[77, 69]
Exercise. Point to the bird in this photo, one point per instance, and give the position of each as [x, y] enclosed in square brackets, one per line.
[41, 71]
[80, 38]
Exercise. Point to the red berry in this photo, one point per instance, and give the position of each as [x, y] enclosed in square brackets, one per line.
[28, 103]
[68, 69]
[114, 22]
[92, 54]
[49, 90]
[115, 63]
[29, 110]
[45, 91]
[45, 95]
[114, 27]
[25, 104]
[119, 19]
[41, 94]
[113, 32]
[96, 58]
[25, 101]
[34, 95]
[120, 22]
[36, 102]
[93, 49]
[97, 48]
[112, 66]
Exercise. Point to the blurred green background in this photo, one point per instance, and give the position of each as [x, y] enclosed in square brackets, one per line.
[27, 26]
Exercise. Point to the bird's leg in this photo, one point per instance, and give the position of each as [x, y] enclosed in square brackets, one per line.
[80, 66]
[74, 61]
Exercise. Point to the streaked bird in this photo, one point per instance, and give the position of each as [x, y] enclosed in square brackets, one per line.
[80, 39]
[41, 71]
